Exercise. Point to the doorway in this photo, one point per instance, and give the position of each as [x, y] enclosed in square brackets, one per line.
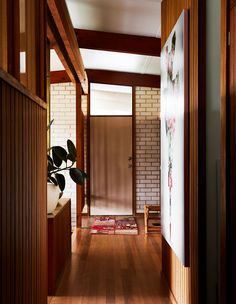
[111, 152]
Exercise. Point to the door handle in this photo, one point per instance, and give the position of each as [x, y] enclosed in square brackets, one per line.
[130, 158]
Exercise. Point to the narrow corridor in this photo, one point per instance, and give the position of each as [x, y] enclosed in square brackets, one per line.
[113, 269]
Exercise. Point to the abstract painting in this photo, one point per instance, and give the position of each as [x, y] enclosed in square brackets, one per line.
[174, 139]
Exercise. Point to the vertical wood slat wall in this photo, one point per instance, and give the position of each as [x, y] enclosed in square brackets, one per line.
[184, 282]
[80, 152]
[23, 198]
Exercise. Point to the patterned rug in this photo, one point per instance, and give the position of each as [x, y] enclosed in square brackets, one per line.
[114, 225]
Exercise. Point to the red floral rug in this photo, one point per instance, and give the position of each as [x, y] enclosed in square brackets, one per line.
[114, 225]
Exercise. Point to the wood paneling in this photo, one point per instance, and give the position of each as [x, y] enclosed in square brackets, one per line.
[59, 242]
[232, 152]
[23, 195]
[188, 284]
[123, 78]
[80, 152]
[114, 42]
[224, 151]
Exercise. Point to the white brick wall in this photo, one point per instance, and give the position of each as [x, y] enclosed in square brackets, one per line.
[63, 111]
[147, 147]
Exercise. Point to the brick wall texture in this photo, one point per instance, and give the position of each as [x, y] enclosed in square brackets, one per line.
[147, 147]
[147, 112]
[63, 111]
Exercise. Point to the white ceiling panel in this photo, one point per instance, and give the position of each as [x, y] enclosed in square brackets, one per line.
[113, 61]
[135, 17]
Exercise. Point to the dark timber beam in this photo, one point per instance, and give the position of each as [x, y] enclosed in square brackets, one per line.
[57, 44]
[118, 42]
[111, 77]
[61, 18]
[59, 77]
[123, 78]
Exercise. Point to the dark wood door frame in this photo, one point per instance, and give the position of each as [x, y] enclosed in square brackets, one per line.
[228, 171]
[88, 194]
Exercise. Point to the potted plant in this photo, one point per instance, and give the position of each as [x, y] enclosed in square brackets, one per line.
[59, 160]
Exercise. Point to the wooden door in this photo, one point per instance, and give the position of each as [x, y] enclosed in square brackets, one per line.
[111, 165]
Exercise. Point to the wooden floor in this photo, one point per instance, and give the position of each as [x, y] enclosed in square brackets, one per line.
[113, 269]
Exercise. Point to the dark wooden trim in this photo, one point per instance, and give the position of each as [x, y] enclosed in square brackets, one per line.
[200, 170]
[88, 151]
[61, 17]
[223, 115]
[80, 153]
[18, 86]
[123, 78]
[134, 147]
[13, 38]
[114, 42]
[59, 77]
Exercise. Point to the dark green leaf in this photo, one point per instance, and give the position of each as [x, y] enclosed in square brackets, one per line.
[61, 181]
[71, 148]
[77, 176]
[60, 152]
[50, 167]
[85, 175]
[50, 159]
[71, 158]
[53, 180]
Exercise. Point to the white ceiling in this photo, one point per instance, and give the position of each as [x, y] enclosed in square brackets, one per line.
[113, 61]
[135, 17]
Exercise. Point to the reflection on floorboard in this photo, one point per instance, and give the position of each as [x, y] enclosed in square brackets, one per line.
[113, 269]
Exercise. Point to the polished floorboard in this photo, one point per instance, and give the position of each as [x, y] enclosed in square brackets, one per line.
[113, 269]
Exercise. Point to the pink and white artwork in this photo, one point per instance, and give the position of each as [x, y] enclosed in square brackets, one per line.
[174, 139]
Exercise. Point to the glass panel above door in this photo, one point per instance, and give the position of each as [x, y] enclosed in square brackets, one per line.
[110, 100]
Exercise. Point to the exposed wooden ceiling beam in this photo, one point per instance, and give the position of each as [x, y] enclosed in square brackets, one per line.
[118, 42]
[61, 17]
[57, 44]
[112, 77]
[123, 78]
[59, 77]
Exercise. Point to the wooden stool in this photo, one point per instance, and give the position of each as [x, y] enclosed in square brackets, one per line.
[150, 216]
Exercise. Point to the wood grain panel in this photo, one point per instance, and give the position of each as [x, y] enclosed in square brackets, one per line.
[187, 284]
[224, 151]
[23, 197]
[80, 152]
[232, 151]
[59, 242]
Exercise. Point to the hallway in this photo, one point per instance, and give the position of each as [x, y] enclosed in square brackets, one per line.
[113, 269]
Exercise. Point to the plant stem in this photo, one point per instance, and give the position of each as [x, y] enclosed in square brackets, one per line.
[62, 169]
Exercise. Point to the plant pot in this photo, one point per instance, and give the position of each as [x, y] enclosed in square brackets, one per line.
[53, 197]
